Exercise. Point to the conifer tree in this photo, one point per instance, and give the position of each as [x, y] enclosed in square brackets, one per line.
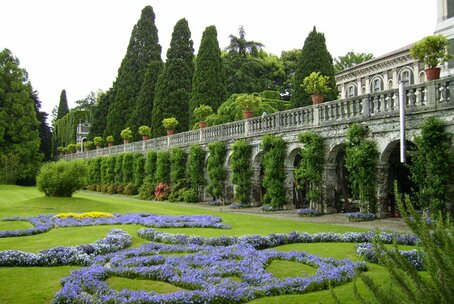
[99, 114]
[143, 48]
[45, 132]
[173, 90]
[314, 58]
[63, 108]
[209, 84]
[19, 126]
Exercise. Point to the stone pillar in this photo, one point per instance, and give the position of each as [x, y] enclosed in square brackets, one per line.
[395, 80]
[382, 190]
[329, 188]
[256, 187]
[288, 184]
[229, 194]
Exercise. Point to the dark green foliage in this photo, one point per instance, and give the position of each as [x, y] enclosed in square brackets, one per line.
[361, 158]
[314, 58]
[406, 284]
[195, 169]
[139, 173]
[230, 111]
[274, 154]
[178, 160]
[104, 170]
[63, 108]
[62, 178]
[310, 169]
[45, 132]
[99, 113]
[174, 86]
[110, 169]
[216, 171]
[19, 126]
[163, 167]
[242, 171]
[290, 61]
[144, 105]
[119, 168]
[243, 47]
[95, 170]
[150, 166]
[431, 168]
[209, 86]
[350, 60]
[128, 168]
[143, 48]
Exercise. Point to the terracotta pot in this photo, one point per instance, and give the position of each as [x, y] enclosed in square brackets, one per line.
[202, 124]
[125, 141]
[432, 73]
[248, 114]
[169, 132]
[109, 144]
[317, 98]
[145, 137]
[396, 213]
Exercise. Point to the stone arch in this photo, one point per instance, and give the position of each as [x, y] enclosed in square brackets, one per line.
[406, 74]
[376, 84]
[352, 90]
[337, 190]
[294, 194]
[258, 191]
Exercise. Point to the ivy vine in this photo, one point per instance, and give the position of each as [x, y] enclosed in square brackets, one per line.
[216, 170]
[242, 171]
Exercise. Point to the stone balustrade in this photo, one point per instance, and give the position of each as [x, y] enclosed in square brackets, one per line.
[429, 96]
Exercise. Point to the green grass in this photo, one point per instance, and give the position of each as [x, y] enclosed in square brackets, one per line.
[38, 285]
[119, 284]
[285, 269]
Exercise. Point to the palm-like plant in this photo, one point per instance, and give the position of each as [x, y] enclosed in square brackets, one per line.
[242, 46]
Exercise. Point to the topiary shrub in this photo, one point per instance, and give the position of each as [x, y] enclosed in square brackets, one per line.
[163, 166]
[241, 171]
[216, 170]
[178, 160]
[150, 166]
[194, 169]
[138, 174]
[62, 178]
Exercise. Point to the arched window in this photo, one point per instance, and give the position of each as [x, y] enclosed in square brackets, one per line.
[376, 84]
[406, 76]
[351, 90]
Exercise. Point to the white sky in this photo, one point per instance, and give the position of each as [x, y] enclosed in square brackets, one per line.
[79, 45]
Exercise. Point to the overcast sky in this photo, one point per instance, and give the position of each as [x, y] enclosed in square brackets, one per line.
[79, 45]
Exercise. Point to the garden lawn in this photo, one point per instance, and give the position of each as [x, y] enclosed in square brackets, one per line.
[38, 285]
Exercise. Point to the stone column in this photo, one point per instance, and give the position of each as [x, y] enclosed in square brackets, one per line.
[256, 187]
[288, 184]
[329, 188]
[382, 189]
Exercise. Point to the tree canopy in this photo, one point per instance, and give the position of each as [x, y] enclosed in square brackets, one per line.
[63, 108]
[350, 60]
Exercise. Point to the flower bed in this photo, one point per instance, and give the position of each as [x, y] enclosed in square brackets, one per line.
[206, 272]
[115, 240]
[309, 212]
[269, 208]
[239, 206]
[360, 216]
[45, 222]
[369, 253]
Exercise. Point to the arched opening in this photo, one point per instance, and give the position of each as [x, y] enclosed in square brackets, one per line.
[258, 191]
[399, 172]
[299, 193]
[342, 201]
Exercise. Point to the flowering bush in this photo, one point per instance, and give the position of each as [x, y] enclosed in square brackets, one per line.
[270, 208]
[93, 214]
[309, 212]
[369, 253]
[161, 191]
[239, 206]
[360, 216]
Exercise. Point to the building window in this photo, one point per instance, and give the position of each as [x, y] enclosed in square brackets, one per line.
[351, 90]
[406, 76]
[376, 84]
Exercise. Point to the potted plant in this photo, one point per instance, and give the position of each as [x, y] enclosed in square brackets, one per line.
[316, 85]
[145, 131]
[88, 145]
[110, 140]
[98, 142]
[201, 113]
[433, 51]
[248, 103]
[126, 135]
[169, 124]
[61, 150]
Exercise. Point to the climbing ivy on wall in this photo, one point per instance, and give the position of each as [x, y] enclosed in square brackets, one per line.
[242, 171]
[216, 171]
[65, 129]
[138, 167]
[274, 153]
[309, 171]
[150, 166]
[163, 166]
[178, 159]
[431, 168]
[361, 158]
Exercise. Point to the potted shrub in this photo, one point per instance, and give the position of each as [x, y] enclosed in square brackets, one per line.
[126, 135]
[61, 150]
[169, 124]
[110, 140]
[201, 113]
[316, 85]
[433, 51]
[248, 103]
[145, 131]
[88, 145]
[98, 142]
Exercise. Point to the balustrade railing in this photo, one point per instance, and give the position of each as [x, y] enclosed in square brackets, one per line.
[430, 95]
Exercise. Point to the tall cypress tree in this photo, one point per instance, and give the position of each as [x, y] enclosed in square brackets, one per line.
[143, 48]
[144, 104]
[173, 90]
[314, 58]
[63, 108]
[99, 114]
[19, 126]
[209, 83]
[45, 132]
